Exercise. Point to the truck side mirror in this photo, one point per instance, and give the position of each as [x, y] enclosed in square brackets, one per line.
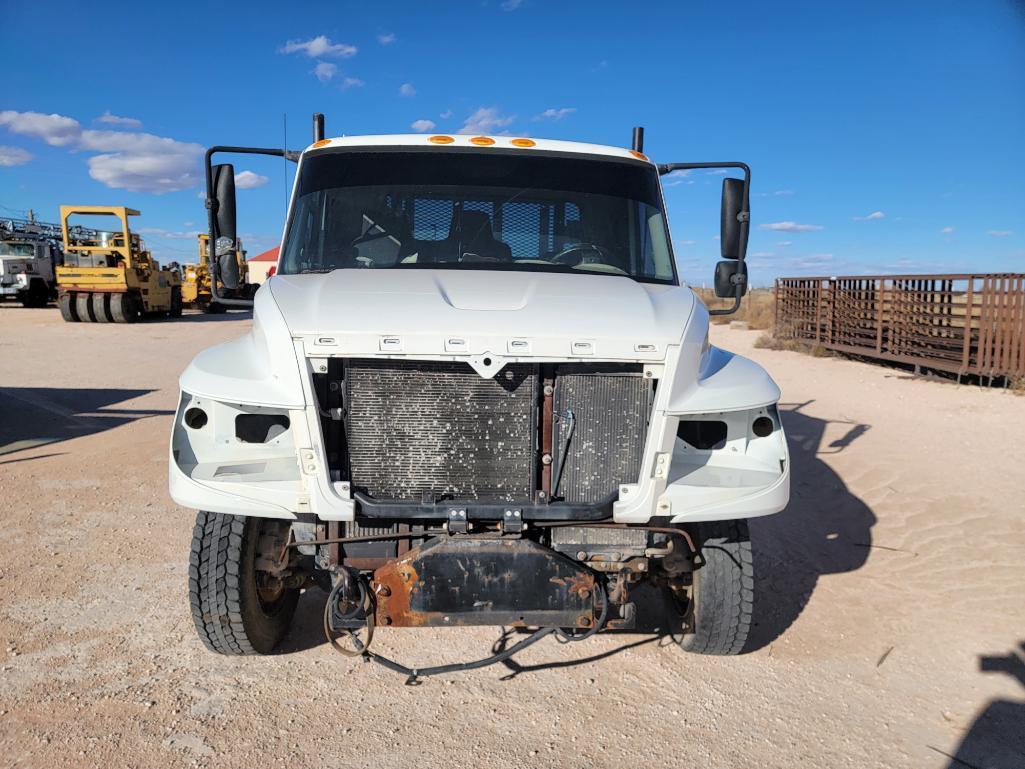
[224, 248]
[734, 209]
[729, 275]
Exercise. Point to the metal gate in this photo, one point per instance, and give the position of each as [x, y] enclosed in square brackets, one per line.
[962, 324]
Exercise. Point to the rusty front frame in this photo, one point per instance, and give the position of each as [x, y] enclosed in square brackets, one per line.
[455, 581]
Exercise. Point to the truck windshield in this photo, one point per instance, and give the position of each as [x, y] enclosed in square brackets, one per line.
[457, 209]
[16, 249]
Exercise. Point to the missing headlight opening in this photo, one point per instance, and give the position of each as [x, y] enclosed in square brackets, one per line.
[762, 427]
[703, 435]
[260, 428]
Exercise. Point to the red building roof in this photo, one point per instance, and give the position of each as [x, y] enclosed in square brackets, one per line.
[267, 256]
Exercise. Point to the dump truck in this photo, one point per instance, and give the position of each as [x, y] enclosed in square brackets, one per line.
[108, 276]
[29, 252]
[477, 392]
[196, 278]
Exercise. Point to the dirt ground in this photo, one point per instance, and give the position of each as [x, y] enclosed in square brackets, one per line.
[890, 609]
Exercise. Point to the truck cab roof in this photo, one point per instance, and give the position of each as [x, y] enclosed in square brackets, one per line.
[461, 141]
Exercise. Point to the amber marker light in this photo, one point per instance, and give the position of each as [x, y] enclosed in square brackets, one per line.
[441, 140]
[321, 143]
[482, 141]
[523, 143]
[640, 155]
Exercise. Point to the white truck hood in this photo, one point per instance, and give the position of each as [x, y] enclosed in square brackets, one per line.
[508, 314]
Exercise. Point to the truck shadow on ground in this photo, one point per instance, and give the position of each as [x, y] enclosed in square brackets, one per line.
[826, 529]
[996, 738]
[41, 416]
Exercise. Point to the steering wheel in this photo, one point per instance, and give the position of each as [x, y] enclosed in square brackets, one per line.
[564, 257]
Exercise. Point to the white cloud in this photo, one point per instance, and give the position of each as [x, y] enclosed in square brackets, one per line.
[511, 5]
[785, 243]
[351, 82]
[555, 114]
[122, 122]
[325, 70]
[13, 156]
[247, 180]
[678, 177]
[318, 47]
[686, 242]
[717, 172]
[157, 172]
[422, 126]
[947, 230]
[55, 130]
[790, 227]
[407, 89]
[870, 217]
[129, 160]
[1000, 233]
[763, 253]
[142, 162]
[783, 193]
[446, 114]
[159, 232]
[485, 120]
[386, 38]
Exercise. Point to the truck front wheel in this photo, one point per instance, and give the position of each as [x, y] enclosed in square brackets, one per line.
[722, 593]
[237, 609]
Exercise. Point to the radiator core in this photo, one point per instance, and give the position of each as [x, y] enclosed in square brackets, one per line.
[439, 430]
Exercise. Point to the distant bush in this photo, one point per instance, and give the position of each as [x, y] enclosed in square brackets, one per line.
[757, 309]
[770, 342]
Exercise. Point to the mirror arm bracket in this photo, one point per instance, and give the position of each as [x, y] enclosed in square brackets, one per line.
[212, 205]
[744, 217]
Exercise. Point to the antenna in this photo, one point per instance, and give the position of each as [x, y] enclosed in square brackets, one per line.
[318, 126]
[638, 140]
[284, 160]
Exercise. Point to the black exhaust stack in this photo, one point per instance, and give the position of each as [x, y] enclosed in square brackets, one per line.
[318, 126]
[638, 141]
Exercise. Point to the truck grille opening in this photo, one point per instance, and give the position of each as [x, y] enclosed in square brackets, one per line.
[426, 431]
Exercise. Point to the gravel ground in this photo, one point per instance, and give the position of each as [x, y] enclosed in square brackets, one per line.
[890, 623]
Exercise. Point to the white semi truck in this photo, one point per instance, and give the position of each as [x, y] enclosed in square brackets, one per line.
[476, 392]
[29, 252]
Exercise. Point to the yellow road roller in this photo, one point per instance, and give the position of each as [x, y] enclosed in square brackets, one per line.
[108, 276]
[196, 279]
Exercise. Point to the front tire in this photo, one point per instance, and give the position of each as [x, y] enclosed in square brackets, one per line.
[37, 295]
[175, 310]
[68, 307]
[722, 596]
[232, 615]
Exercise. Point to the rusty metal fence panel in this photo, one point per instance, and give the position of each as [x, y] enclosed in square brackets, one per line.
[962, 324]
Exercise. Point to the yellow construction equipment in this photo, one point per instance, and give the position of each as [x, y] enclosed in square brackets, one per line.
[196, 280]
[108, 276]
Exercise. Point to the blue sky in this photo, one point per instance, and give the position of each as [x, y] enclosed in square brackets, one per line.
[883, 137]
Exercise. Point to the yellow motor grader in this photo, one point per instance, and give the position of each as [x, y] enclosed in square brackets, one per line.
[196, 280]
[108, 276]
